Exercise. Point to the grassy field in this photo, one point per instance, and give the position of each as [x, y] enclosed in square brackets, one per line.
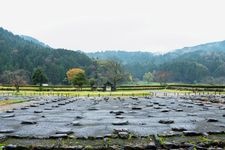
[122, 90]
[78, 93]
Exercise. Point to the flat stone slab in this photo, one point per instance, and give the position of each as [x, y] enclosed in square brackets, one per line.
[117, 130]
[190, 114]
[64, 132]
[120, 123]
[38, 111]
[56, 136]
[33, 105]
[157, 107]
[212, 120]
[216, 132]
[79, 117]
[8, 116]
[179, 129]
[92, 109]
[120, 117]
[136, 108]
[117, 112]
[192, 133]
[123, 135]
[149, 105]
[166, 121]
[9, 111]
[28, 122]
[165, 110]
[7, 131]
[76, 123]
[179, 110]
[24, 108]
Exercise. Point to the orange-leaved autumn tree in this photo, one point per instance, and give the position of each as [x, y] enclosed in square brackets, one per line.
[73, 72]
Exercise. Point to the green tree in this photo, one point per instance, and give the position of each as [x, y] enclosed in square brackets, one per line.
[79, 79]
[148, 77]
[73, 72]
[39, 77]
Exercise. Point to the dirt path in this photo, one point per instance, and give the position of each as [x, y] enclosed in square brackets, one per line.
[18, 105]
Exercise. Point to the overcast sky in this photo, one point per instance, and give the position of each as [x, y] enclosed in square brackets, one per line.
[95, 25]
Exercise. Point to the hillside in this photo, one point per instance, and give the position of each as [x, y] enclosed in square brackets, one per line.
[18, 53]
[190, 64]
[213, 46]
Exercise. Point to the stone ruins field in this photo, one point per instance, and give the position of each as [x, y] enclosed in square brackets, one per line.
[110, 117]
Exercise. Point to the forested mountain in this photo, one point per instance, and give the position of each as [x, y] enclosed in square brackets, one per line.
[202, 63]
[197, 66]
[17, 53]
[214, 46]
[31, 39]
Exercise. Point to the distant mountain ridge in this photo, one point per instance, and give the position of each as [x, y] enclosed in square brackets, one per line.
[139, 56]
[215, 46]
[124, 56]
[209, 57]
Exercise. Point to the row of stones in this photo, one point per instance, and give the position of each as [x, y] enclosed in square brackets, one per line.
[151, 145]
[92, 108]
[210, 98]
[121, 133]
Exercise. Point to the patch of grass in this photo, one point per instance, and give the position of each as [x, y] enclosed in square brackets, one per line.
[88, 143]
[204, 139]
[1, 146]
[162, 140]
[8, 102]
[194, 139]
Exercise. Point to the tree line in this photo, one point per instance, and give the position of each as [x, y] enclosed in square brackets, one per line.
[102, 71]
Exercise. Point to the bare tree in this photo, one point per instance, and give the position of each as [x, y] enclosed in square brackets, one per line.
[115, 72]
[16, 78]
[162, 77]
